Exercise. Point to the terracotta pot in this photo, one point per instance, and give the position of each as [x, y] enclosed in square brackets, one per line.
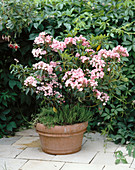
[61, 140]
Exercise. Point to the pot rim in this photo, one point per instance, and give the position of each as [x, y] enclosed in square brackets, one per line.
[78, 127]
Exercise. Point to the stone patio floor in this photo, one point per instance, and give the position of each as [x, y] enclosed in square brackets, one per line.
[23, 152]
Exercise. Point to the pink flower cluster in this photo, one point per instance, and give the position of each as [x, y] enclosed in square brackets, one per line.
[97, 73]
[55, 45]
[43, 66]
[76, 79]
[115, 53]
[89, 50]
[84, 58]
[46, 82]
[54, 64]
[121, 50]
[30, 81]
[38, 52]
[92, 66]
[83, 40]
[70, 40]
[97, 62]
[102, 96]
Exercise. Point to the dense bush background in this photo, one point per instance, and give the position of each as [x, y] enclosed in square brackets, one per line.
[23, 20]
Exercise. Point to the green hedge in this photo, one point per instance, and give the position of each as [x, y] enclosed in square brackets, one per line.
[60, 18]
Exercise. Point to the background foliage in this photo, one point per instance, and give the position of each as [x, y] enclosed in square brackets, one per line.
[23, 20]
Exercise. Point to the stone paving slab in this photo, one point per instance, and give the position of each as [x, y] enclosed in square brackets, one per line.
[24, 152]
[133, 164]
[27, 132]
[27, 141]
[94, 136]
[35, 153]
[100, 145]
[75, 166]
[9, 141]
[117, 167]
[79, 157]
[42, 165]
[9, 151]
[108, 159]
[11, 164]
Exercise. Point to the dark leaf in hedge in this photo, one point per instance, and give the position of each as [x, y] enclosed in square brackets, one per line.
[118, 92]
[3, 117]
[11, 125]
[134, 47]
[131, 119]
[6, 111]
[33, 36]
[12, 83]
[127, 43]
[19, 85]
[36, 25]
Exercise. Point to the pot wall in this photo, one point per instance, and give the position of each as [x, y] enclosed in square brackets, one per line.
[61, 140]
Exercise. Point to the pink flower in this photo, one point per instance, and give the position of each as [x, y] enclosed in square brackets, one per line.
[30, 81]
[84, 58]
[43, 66]
[36, 52]
[90, 50]
[48, 39]
[121, 50]
[57, 45]
[70, 40]
[77, 55]
[39, 40]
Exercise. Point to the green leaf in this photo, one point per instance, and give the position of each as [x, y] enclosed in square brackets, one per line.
[117, 161]
[129, 48]
[33, 36]
[19, 85]
[122, 87]
[122, 141]
[11, 125]
[12, 83]
[27, 91]
[127, 43]
[1, 27]
[134, 47]
[68, 26]
[36, 25]
[3, 117]
[134, 153]
[120, 109]
[124, 161]
[118, 92]
[6, 111]
[124, 59]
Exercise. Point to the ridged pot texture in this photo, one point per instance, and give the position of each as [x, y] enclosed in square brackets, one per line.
[61, 140]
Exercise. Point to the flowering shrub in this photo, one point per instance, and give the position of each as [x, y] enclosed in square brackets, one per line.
[70, 71]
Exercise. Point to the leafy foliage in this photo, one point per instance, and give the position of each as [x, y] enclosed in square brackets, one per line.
[120, 157]
[65, 116]
[113, 19]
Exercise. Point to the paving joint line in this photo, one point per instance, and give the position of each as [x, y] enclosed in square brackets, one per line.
[19, 153]
[62, 166]
[93, 157]
[103, 167]
[23, 164]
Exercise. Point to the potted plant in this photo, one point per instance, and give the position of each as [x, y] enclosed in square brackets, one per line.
[69, 78]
